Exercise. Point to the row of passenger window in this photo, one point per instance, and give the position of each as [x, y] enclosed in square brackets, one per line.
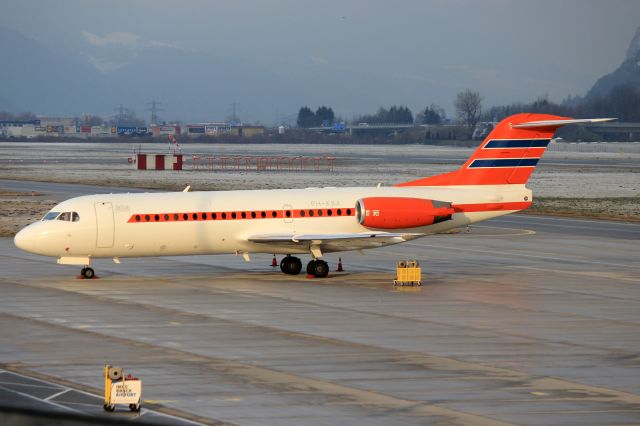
[167, 217]
[66, 216]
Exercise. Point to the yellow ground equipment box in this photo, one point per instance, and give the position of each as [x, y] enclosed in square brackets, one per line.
[408, 272]
[119, 389]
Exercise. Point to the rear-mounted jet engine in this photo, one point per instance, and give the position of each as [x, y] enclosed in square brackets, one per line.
[399, 212]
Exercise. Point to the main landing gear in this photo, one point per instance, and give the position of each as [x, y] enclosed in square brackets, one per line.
[318, 268]
[292, 265]
[87, 272]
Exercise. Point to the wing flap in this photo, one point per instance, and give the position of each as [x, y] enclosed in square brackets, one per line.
[334, 242]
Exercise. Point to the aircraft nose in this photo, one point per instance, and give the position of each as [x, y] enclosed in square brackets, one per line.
[25, 240]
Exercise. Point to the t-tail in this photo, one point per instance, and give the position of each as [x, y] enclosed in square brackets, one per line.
[509, 154]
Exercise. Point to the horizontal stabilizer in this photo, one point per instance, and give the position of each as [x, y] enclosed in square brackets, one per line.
[559, 123]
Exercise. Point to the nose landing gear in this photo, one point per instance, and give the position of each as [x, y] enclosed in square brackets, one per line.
[87, 272]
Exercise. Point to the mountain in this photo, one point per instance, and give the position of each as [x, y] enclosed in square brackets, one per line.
[44, 81]
[628, 73]
[191, 85]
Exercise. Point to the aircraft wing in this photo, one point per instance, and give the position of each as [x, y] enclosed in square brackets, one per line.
[333, 242]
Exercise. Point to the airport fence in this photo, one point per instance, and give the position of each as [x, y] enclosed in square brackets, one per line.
[263, 163]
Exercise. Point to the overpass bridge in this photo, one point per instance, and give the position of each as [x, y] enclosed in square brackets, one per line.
[365, 127]
[614, 127]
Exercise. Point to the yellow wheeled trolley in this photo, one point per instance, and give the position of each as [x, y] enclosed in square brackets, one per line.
[408, 272]
[119, 389]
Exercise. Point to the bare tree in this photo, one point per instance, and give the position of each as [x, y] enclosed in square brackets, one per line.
[468, 107]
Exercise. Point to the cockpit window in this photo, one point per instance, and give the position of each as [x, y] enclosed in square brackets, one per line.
[51, 216]
[66, 216]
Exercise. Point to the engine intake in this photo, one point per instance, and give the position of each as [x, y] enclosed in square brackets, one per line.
[400, 212]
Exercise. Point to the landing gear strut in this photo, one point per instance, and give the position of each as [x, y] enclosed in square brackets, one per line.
[87, 272]
[318, 268]
[290, 265]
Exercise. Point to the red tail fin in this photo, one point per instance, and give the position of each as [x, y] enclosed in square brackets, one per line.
[508, 155]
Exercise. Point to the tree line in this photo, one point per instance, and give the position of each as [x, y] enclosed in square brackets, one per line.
[307, 118]
[468, 108]
[395, 114]
[622, 102]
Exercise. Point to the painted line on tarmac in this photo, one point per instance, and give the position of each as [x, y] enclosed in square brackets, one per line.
[519, 232]
[542, 255]
[66, 389]
[608, 225]
[26, 395]
[604, 275]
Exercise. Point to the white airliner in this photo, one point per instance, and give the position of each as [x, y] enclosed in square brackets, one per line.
[297, 221]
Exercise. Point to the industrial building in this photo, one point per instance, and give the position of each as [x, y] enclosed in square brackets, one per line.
[70, 127]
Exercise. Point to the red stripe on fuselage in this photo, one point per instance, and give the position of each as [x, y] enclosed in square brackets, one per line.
[239, 215]
[298, 214]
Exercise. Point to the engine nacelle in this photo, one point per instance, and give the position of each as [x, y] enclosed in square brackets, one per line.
[399, 212]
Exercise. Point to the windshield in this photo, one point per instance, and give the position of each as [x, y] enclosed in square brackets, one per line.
[51, 216]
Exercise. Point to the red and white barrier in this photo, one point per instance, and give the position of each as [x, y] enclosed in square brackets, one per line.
[159, 161]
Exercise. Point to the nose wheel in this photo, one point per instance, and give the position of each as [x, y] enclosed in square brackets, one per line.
[87, 272]
[318, 268]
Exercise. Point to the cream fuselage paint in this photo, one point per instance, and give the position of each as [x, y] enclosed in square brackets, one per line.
[87, 239]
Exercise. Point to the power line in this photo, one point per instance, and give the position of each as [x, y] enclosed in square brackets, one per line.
[122, 113]
[234, 108]
[154, 110]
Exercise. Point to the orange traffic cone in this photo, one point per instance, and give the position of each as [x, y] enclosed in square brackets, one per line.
[274, 262]
[340, 265]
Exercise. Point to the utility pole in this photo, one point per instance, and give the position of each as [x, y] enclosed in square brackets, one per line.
[154, 110]
[121, 111]
[234, 115]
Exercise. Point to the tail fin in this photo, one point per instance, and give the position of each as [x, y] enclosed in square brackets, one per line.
[508, 155]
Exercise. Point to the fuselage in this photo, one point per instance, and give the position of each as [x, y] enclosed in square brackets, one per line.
[189, 223]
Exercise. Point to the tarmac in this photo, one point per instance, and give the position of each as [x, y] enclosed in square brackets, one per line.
[521, 320]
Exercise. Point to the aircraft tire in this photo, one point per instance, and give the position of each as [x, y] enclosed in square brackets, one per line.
[311, 267]
[88, 273]
[320, 269]
[291, 265]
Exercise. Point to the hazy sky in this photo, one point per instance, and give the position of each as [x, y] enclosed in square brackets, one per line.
[410, 52]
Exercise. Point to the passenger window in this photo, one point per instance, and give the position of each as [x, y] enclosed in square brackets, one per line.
[75, 217]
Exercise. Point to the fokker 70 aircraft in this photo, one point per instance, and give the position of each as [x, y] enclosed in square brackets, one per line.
[491, 183]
